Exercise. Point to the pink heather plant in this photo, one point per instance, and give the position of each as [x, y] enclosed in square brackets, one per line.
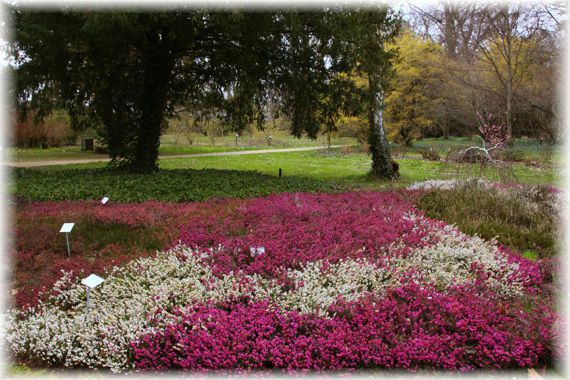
[495, 134]
[412, 328]
[297, 228]
[417, 293]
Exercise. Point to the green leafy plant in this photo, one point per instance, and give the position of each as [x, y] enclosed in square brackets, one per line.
[177, 185]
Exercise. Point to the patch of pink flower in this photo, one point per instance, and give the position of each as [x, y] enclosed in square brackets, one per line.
[297, 228]
[494, 133]
[132, 214]
[412, 327]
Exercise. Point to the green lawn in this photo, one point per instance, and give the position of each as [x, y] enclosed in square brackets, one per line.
[348, 169]
[56, 153]
[280, 139]
[172, 144]
[75, 152]
[199, 178]
[525, 150]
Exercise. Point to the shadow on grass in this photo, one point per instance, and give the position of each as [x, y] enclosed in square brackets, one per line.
[175, 185]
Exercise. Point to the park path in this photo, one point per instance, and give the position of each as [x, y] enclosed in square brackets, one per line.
[31, 164]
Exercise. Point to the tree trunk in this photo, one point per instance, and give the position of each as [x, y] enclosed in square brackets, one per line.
[509, 94]
[157, 74]
[445, 130]
[509, 50]
[383, 165]
[450, 34]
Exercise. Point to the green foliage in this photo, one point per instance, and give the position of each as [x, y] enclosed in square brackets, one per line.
[516, 223]
[353, 126]
[529, 254]
[125, 73]
[165, 185]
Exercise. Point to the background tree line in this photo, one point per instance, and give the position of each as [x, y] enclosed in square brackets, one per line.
[429, 73]
[458, 61]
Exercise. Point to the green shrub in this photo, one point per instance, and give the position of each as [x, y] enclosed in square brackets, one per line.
[429, 154]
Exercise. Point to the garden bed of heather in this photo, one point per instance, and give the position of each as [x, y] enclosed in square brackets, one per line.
[293, 281]
[103, 236]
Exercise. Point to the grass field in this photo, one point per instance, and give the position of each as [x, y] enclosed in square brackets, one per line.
[184, 179]
[524, 150]
[75, 152]
[172, 144]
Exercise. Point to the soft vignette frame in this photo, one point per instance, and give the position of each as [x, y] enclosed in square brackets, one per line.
[6, 216]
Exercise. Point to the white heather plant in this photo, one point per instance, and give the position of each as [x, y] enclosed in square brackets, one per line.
[318, 288]
[449, 261]
[446, 184]
[58, 331]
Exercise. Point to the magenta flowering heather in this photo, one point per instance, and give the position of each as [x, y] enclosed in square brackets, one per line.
[412, 327]
[298, 228]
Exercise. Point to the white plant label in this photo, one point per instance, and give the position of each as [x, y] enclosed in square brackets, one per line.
[66, 227]
[256, 251]
[105, 200]
[92, 281]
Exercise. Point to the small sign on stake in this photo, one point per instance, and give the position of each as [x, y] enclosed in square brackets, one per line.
[66, 229]
[256, 251]
[105, 200]
[91, 282]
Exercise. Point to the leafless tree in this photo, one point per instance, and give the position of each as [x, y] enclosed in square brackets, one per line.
[459, 28]
[500, 40]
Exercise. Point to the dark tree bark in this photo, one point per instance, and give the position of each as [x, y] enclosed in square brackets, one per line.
[158, 65]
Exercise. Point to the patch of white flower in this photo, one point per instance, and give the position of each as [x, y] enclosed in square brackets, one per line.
[446, 184]
[317, 288]
[61, 332]
[450, 261]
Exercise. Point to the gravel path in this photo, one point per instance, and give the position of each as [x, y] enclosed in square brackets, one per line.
[31, 164]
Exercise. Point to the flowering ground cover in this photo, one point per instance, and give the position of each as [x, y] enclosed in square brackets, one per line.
[104, 235]
[293, 281]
